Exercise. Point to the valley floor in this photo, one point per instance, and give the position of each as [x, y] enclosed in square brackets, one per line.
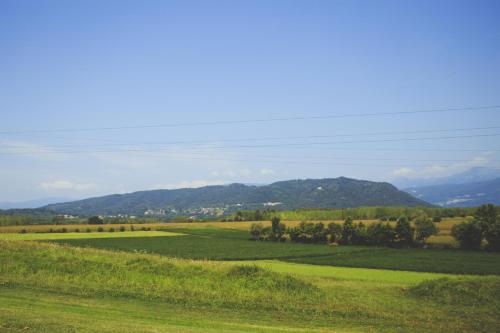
[265, 287]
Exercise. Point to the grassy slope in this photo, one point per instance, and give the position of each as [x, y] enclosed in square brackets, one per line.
[50, 288]
[229, 244]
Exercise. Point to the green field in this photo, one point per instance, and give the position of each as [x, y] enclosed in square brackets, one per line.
[229, 244]
[156, 281]
[89, 235]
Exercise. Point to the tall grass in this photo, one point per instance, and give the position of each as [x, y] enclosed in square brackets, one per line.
[89, 272]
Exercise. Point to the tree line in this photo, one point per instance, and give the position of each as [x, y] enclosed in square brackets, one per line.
[482, 231]
[403, 234]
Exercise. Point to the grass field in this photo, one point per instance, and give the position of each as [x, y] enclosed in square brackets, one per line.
[90, 235]
[231, 244]
[161, 281]
[52, 288]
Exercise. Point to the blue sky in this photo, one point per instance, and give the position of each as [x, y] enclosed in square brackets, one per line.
[95, 64]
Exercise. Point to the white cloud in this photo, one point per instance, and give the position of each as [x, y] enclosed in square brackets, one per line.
[28, 149]
[232, 173]
[437, 170]
[189, 184]
[266, 171]
[65, 185]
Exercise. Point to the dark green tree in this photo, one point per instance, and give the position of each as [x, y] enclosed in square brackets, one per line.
[256, 230]
[347, 231]
[424, 228]
[468, 234]
[404, 232]
[277, 228]
[334, 231]
[95, 220]
[381, 234]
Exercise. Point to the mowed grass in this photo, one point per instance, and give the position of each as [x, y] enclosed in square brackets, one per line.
[231, 244]
[52, 288]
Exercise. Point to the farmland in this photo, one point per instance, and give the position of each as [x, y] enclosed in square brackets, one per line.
[210, 277]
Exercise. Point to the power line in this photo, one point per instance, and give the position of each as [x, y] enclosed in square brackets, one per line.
[300, 144]
[205, 142]
[262, 120]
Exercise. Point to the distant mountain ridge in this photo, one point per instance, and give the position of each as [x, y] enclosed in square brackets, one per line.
[460, 195]
[32, 203]
[215, 200]
[473, 175]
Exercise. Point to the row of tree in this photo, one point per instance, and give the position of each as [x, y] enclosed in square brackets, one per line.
[485, 226]
[403, 234]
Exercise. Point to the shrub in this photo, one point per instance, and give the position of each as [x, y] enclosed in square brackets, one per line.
[424, 229]
[404, 232]
[64, 230]
[492, 235]
[360, 234]
[277, 228]
[111, 229]
[132, 228]
[122, 228]
[256, 230]
[334, 232]
[100, 229]
[381, 234]
[77, 230]
[88, 230]
[436, 219]
[23, 231]
[347, 232]
[95, 220]
[468, 234]
[486, 215]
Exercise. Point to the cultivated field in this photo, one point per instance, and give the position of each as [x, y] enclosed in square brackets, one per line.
[209, 277]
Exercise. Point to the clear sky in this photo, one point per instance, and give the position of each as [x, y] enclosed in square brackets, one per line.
[73, 65]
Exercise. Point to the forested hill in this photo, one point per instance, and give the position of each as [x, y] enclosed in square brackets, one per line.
[211, 200]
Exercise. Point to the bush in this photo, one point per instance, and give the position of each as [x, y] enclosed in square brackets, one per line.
[111, 229]
[100, 229]
[360, 234]
[436, 219]
[334, 232]
[132, 228]
[468, 234]
[277, 228]
[347, 232]
[95, 220]
[256, 230]
[404, 232]
[23, 231]
[424, 229]
[381, 234]
[77, 230]
[492, 235]
[64, 230]
[122, 228]
[88, 230]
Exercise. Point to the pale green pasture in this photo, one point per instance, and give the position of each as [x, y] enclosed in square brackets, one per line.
[346, 273]
[84, 235]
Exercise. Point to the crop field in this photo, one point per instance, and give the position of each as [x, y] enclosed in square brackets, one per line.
[230, 244]
[443, 238]
[202, 277]
[90, 235]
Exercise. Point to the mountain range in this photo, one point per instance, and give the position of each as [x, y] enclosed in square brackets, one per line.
[216, 200]
[472, 175]
[460, 195]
